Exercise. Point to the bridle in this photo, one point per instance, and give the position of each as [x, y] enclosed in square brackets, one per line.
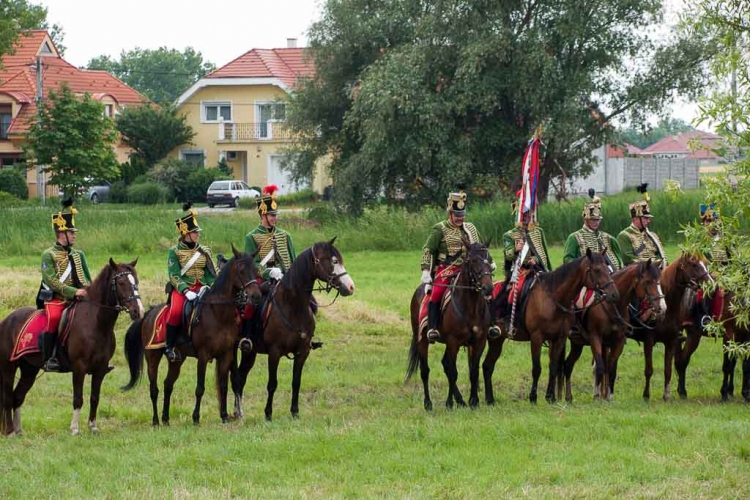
[599, 289]
[134, 295]
[330, 276]
[692, 283]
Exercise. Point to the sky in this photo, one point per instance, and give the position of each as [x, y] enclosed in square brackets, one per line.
[221, 30]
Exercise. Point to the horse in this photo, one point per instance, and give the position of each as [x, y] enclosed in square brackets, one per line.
[687, 271]
[548, 316]
[90, 344]
[213, 335]
[604, 325]
[289, 326]
[464, 322]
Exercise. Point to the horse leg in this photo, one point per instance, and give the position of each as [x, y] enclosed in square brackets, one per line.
[570, 362]
[222, 379]
[475, 356]
[299, 363]
[599, 385]
[28, 377]
[451, 372]
[648, 354]
[682, 359]
[424, 372]
[495, 348]
[728, 369]
[746, 380]
[153, 384]
[173, 373]
[79, 376]
[612, 359]
[273, 368]
[96, 386]
[200, 388]
[239, 378]
[7, 377]
[669, 352]
[536, 367]
[556, 365]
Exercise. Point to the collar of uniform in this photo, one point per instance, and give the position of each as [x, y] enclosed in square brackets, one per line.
[589, 230]
[182, 246]
[265, 229]
[450, 224]
[644, 230]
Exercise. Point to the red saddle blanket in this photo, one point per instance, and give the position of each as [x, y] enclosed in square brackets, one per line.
[159, 332]
[423, 310]
[716, 302]
[514, 289]
[27, 341]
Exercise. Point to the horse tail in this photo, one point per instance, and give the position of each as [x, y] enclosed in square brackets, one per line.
[413, 363]
[134, 353]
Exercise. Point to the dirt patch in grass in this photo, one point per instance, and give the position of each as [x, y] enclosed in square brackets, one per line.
[352, 310]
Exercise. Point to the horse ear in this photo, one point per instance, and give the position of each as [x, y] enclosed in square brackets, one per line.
[488, 242]
[112, 263]
[332, 240]
[235, 252]
[132, 264]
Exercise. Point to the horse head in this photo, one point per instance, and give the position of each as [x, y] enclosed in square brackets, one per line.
[648, 288]
[244, 277]
[124, 286]
[598, 277]
[479, 268]
[691, 271]
[328, 266]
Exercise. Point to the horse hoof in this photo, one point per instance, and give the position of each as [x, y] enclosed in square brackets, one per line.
[269, 418]
[295, 415]
[238, 415]
[225, 420]
[683, 395]
[490, 402]
[74, 432]
[428, 405]
[155, 423]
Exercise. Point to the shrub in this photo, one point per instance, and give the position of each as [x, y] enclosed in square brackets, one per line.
[248, 203]
[149, 193]
[7, 199]
[118, 192]
[198, 182]
[173, 174]
[299, 197]
[14, 182]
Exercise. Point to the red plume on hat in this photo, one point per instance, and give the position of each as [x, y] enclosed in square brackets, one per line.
[270, 189]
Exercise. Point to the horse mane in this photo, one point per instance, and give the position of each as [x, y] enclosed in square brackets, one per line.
[100, 287]
[303, 267]
[223, 277]
[553, 279]
[669, 275]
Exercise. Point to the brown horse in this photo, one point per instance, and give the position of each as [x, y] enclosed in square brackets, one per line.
[90, 344]
[213, 337]
[685, 272]
[605, 324]
[464, 322]
[548, 316]
[290, 325]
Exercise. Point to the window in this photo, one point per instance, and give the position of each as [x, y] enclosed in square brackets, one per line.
[109, 110]
[194, 156]
[212, 111]
[269, 112]
[6, 116]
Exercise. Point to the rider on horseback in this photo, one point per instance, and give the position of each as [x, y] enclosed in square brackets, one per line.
[638, 244]
[65, 273]
[442, 257]
[717, 254]
[589, 236]
[189, 266]
[275, 254]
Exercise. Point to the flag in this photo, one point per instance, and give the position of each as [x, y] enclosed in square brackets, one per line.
[527, 200]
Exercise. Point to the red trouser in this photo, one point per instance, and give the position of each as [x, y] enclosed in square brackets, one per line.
[443, 275]
[54, 309]
[249, 310]
[177, 303]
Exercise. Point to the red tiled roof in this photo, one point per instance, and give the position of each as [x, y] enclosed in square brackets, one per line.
[615, 151]
[681, 144]
[285, 64]
[633, 150]
[18, 76]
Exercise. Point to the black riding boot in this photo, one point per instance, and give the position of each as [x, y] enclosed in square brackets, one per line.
[433, 314]
[172, 332]
[52, 364]
[494, 331]
[246, 343]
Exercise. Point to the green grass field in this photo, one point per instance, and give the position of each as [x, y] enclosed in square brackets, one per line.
[364, 434]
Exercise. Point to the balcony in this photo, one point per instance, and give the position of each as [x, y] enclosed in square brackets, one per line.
[253, 132]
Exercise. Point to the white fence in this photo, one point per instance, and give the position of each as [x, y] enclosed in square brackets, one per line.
[656, 171]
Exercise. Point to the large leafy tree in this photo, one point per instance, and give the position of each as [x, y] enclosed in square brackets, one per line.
[152, 132]
[410, 96]
[642, 137]
[73, 140]
[162, 74]
[727, 107]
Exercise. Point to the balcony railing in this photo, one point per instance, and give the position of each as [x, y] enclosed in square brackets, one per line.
[265, 131]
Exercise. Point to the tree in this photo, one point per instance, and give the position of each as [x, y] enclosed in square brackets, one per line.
[152, 132]
[16, 16]
[73, 140]
[646, 136]
[411, 97]
[727, 107]
[162, 74]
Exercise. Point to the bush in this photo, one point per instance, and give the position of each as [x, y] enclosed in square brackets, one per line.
[14, 182]
[198, 182]
[149, 193]
[7, 199]
[118, 192]
[248, 203]
[299, 197]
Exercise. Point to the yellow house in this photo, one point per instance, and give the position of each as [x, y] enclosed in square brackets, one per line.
[238, 113]
[34, 61]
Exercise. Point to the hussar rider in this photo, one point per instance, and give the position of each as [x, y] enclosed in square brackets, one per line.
[718, 255]
[190, 267]
[65, 274]
[637, 242]
[589, 237]
[442, 257]
[274, 257]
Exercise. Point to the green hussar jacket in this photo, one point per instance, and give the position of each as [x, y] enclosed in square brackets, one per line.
[719, 252]
[639, 246]
[201, 270]
[583, 239]
[538, 242]
[55, 262]
[266, 240]
[447, 240]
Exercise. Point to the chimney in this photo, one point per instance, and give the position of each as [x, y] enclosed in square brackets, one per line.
[291, 43]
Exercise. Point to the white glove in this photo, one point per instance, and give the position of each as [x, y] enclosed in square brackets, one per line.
[493, 266]
[190, 295]
[275, 273]
[426, 278]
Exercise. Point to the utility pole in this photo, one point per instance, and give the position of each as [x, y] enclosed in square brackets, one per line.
[40, 181]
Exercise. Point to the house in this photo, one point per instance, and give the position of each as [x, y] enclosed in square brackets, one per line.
[19, 86]
[238, 112]
[695, 144]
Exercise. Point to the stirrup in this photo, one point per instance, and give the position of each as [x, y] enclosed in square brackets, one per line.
[246, 345]
[494, 332]
[52, 365]
[432, 335]
[705, 320]
[172, 355]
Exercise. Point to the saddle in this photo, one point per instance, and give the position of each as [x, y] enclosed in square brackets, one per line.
[31, 338]
[190, 317]
[503, 295]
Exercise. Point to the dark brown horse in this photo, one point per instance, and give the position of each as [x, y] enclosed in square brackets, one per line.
[605, 324]
[548, 316]
[464, 322]
[290, 325]
[685, 272]
[213, 337]
[90, 344]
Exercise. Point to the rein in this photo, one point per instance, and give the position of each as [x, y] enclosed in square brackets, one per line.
[240, 298]
[118, 307]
